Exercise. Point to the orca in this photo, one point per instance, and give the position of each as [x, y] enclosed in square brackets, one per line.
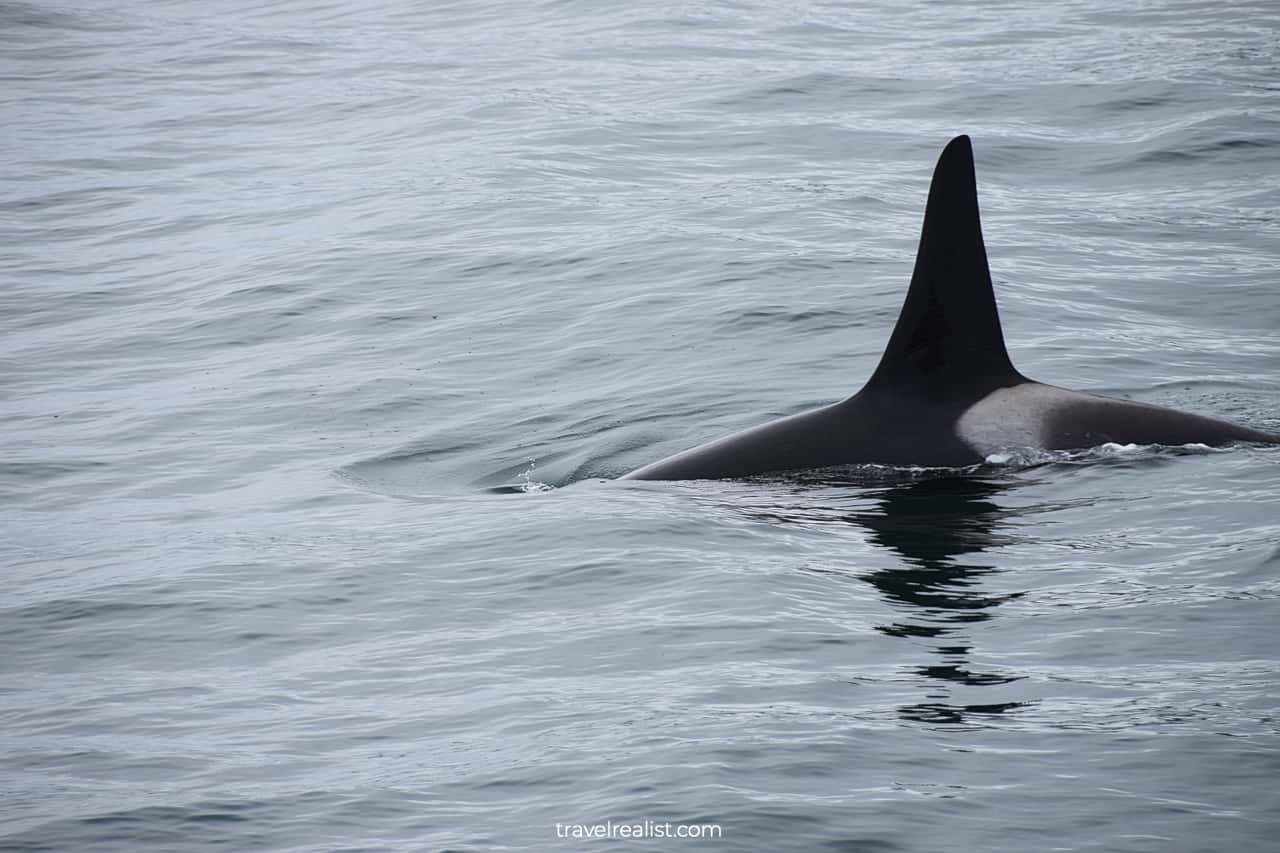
[945, 393]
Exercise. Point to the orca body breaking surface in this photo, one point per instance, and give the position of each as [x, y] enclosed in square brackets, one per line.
[945, 393]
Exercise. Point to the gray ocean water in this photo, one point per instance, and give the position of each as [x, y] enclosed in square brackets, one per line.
[326, 324]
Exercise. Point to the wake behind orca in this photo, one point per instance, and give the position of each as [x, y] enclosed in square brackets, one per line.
[945, 393]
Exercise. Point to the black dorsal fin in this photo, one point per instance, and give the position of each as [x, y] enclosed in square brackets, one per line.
[948, 341]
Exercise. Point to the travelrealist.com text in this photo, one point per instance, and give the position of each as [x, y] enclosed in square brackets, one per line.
[637, 829]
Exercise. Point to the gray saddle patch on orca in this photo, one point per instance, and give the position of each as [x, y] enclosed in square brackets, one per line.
[1010, 418]
[945, 393]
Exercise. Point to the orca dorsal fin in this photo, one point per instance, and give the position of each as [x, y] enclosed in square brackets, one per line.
[948, 341]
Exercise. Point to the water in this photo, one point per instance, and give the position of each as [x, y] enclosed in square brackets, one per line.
[324, 325]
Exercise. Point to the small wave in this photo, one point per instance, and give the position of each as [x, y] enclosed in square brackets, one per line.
[1016, 458]
[809, 319]
[524, 484]
[1211, 139]
[1025, 457]
[866, 474]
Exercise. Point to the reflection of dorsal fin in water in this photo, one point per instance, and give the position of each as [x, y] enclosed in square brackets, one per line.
[930, 522]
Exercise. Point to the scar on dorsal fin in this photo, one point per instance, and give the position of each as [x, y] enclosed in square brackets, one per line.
[948, 341]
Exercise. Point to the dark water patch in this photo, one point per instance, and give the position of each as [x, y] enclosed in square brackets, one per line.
[781, 316]
[69, 198]
[1129, 104]
[1163, 157]
[30, 473]
[798, 93]
[1216, 141]
[421, 468]
[1234, 145]
[68, 614]
[14, 17]
[213, 823]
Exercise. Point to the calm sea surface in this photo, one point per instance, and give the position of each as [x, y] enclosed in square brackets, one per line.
[326, 324]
